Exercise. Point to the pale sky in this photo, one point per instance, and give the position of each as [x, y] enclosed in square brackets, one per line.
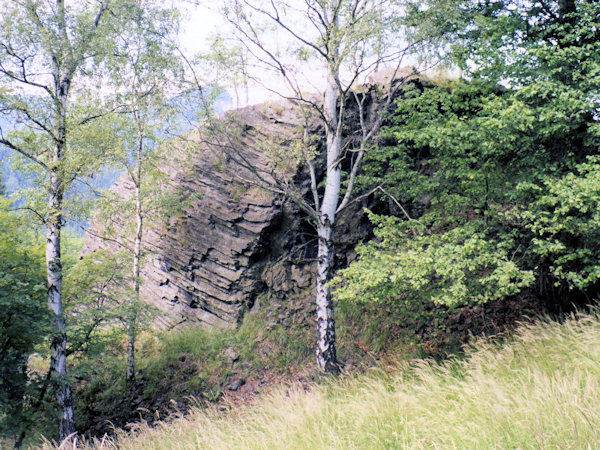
[201, 22]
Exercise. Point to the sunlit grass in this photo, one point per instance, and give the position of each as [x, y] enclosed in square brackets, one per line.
[542, 390]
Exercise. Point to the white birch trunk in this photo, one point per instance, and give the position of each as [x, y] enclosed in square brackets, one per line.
[326, 350]
[58, 347]
[58, 359]
[137, 250]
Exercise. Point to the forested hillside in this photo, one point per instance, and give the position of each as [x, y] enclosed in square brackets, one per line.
[428, 173]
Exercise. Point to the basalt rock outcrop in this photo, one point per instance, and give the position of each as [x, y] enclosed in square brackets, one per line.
[234, 241]
[204, 264]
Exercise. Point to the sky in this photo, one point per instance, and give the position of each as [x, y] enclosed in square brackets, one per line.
[199, 25]
[202, 22]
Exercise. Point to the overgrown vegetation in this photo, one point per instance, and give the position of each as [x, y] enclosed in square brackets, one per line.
[539, 390]
[23, 321]
[491, 179]
[182, 368]
[192, 367]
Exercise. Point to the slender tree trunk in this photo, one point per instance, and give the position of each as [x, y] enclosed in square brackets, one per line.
[137, 250]
[19, 440]
[62, 76]
[132, 319]
[326, 351]
[58, 361]
[64, 59]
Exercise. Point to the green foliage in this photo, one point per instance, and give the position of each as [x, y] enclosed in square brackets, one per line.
[24, 319]
[96, 295]
[541, 43]
[173, 366]
[461, 266]
[32, 39]
[458, 151]
[498, 180]
[465, 147]
[497, 170]
[563, 224]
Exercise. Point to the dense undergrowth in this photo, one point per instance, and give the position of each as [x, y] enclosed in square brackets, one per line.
[198, 368]
[193, 367]
[538, 390]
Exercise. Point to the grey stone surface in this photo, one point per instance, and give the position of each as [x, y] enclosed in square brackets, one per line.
[205, 264]
[233, 242]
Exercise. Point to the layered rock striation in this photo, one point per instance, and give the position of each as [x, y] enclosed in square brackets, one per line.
[206, 264]
[235, 240]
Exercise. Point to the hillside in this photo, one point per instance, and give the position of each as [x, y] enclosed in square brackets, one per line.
[445, 263]
[539, 390]
[391, 226]
[442, 268]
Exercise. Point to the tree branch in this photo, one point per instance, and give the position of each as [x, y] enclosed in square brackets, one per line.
[18, 149]
[42, 219]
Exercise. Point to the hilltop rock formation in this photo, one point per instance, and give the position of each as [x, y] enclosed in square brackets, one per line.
[205, 264]
[234, 241]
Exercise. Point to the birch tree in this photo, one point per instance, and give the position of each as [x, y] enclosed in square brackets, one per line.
[335, 45]
[149, 69]
[48, 55]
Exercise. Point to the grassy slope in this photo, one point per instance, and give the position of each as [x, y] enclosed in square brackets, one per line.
[539, 391]
[191, 366]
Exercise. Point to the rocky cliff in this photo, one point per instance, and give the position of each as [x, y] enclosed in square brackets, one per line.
[233, 241]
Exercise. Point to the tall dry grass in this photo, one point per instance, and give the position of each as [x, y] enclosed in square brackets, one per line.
[541, 390]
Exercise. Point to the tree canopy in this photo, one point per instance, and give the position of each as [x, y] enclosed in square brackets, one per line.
[496, 171]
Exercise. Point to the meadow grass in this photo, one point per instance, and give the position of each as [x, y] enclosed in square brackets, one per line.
[540, 390]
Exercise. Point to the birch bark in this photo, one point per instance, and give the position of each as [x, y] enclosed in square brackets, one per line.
[326, 350]
[58, 347]
[137, 250]
[62, 77]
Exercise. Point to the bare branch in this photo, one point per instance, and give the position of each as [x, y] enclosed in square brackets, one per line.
[397, 203]
[104, 238]
[351, 180]
[119, 109]
[277, 19]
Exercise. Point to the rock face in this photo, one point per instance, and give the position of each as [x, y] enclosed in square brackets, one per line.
[205, 264]
[234, 241]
